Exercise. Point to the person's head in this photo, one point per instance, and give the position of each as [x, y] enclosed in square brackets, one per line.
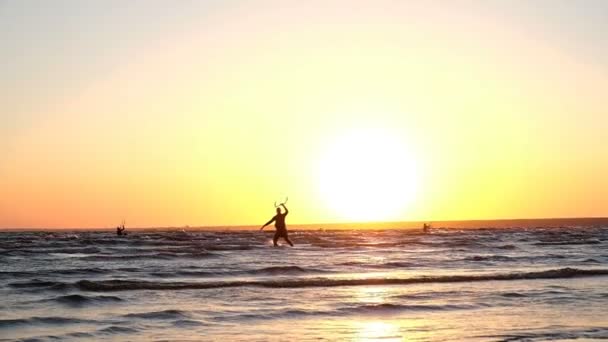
[278, 210]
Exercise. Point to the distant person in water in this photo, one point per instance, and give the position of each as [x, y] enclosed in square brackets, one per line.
[120, 230]
[426, 228]
[279, 224]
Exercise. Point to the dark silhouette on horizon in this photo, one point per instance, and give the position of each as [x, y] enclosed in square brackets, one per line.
[120, 230]
[279, 225]
[426, 228]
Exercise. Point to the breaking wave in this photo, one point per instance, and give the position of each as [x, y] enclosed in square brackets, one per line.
[129, 285]
[77, 300]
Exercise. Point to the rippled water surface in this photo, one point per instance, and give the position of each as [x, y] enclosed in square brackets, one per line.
[475, 284]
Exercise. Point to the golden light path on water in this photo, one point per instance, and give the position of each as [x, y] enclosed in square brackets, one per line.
[375, 329]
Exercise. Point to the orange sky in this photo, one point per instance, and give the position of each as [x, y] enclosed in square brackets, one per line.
[170, 114]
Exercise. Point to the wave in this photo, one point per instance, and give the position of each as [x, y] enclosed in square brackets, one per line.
[279, 270]
[161, 256]
[388, 308]
[46, 250]
[506, 247]
[232, 247]
[34, 283]
[266, 271]
[591, 333]
[187, 323]
[37, 285]
[126, 285]
[79, 271]
[521, 258]
[10, 323]
[592, 261]
[79, 335]
[55, 272]
[72, 250]
[432, 295]
[114, 329]
[395, 264]
[513, 295]
[392, 264]
[165, 314]
[76, 300]
[365, 309]
[490, 258]
[560, 243]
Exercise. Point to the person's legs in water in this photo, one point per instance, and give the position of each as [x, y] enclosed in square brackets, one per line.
[285, 236]
[281, 233]
[275, 238]
[287, 239]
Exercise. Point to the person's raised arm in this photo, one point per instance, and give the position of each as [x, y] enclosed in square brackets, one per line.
[269, 222]
[284, 207]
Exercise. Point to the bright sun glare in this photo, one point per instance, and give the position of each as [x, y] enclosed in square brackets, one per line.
[367, 174]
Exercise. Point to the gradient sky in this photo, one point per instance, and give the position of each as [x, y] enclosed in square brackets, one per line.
[170, 113]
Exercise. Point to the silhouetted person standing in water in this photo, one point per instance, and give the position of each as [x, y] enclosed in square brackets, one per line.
[120, 230]
[279, 224]
[426, 228]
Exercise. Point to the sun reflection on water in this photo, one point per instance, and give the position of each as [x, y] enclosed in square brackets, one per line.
[377, 330]
[373, 294]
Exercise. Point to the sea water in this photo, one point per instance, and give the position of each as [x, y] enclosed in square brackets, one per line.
[481, 284]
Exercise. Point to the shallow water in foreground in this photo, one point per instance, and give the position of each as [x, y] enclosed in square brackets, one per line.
[476, 284]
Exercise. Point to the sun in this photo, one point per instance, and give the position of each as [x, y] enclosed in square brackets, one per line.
[367, 174]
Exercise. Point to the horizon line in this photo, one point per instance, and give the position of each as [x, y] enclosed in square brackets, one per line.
[312, 224]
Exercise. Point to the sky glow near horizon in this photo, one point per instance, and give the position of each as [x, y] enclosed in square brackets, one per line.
[204, 112]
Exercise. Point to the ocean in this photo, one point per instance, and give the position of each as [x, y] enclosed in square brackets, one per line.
[452, 284]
